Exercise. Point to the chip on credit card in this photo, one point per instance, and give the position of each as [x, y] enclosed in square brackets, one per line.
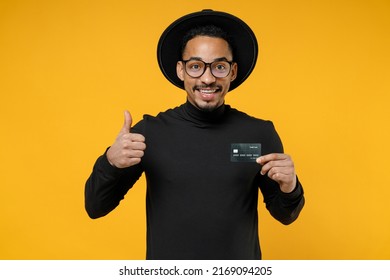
[245, 152]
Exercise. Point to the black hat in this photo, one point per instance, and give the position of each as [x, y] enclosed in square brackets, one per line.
[243, 41]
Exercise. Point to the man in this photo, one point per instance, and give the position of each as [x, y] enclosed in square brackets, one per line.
[204, 161]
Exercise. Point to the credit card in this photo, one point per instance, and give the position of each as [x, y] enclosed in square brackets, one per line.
[245, 152]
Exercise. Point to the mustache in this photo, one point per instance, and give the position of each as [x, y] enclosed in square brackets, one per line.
[210, 86]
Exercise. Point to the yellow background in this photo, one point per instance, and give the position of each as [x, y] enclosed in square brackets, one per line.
[69, 68]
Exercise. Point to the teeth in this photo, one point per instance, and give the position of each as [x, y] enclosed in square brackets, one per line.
[207, 91]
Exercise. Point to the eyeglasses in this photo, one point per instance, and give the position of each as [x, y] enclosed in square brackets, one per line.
[195, 68]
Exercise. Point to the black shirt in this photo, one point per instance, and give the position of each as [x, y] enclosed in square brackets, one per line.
[200, 204]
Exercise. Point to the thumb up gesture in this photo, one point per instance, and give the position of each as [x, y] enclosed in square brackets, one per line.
[128, 148]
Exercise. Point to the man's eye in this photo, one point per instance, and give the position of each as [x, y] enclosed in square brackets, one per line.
[195, 67]
[221, 67]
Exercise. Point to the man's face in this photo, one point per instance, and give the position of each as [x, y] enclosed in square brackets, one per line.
[206, 92]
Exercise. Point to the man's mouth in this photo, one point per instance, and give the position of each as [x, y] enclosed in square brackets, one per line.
[208, 94]
[204, 90]
[207, 91]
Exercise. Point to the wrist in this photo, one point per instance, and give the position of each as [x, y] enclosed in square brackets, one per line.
[289, 188]
[108, 157]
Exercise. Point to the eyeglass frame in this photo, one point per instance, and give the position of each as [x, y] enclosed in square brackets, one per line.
[208, 65]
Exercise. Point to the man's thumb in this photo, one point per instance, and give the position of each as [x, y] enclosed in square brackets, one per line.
[128, 121]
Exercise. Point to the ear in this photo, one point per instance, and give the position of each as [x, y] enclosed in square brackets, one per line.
[180, 70]
[234, 72]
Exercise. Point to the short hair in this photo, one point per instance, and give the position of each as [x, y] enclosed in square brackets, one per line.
[206, 30]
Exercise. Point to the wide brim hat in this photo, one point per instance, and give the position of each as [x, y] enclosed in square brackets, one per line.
[243, 40]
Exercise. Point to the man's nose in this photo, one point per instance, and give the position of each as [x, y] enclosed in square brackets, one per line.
[208, 77]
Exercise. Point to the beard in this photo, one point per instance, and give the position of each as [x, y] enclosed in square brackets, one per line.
[209, 107]
[204, 104]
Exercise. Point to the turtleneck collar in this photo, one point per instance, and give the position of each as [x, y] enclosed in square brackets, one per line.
[197, 116]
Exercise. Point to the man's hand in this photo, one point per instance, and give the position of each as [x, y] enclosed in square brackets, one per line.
[128, 148]
[280, 168]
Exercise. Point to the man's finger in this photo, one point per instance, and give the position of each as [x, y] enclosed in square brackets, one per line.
[127, 124]
[270, 157]
[136, 137]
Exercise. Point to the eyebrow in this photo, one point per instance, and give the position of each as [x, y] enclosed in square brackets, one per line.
[200, 59]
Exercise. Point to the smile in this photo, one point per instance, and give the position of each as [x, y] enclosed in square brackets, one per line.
[208, 90]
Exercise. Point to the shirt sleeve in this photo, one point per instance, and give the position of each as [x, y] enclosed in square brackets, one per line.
[284, 207]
